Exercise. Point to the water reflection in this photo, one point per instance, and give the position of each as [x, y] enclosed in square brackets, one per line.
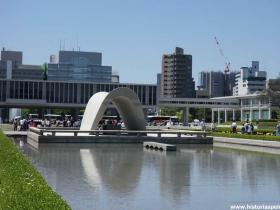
[113, 176]
[90, 169]
[119, 169]
[172, 180]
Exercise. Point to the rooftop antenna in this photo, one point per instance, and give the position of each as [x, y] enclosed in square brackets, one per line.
[2, 45]
[77, 43]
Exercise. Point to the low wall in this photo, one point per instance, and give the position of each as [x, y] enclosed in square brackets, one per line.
[36, 137]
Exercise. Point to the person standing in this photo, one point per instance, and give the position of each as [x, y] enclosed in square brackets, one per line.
[278, 130]
[243, 130]
[249, 128]
[234, 127]
[15, 124]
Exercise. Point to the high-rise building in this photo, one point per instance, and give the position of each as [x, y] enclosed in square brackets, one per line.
[176, 76]
[158, 87]
[216, 83]
[212, 82]
[230, 83]
[79, 66]
[249, 80]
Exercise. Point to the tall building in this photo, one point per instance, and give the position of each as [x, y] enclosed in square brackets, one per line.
[176, 76]
[158, 87]
[230, 83]
[79, 66]
[11, 67]
[216, 83]
[249, 80]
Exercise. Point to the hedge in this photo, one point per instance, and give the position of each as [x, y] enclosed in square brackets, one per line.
[21, 186]
[256, 131]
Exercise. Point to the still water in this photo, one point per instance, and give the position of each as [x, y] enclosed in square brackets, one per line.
[126, 176]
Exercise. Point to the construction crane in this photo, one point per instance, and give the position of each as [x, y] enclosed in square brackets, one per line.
[227, 86]
[227, 63]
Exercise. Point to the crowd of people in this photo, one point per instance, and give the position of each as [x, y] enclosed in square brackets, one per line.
[23, 124]
[246, 128]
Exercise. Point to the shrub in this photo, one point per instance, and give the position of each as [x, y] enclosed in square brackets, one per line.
[225, 129]
[256, 131]
[267, 125]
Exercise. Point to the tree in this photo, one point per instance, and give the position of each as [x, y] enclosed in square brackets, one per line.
[167, 111]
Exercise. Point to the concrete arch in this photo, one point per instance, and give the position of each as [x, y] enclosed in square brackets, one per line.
[126, 102]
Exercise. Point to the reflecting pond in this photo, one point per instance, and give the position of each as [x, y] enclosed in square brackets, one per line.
[128, 176]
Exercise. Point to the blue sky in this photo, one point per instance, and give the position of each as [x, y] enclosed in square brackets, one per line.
[133, 35]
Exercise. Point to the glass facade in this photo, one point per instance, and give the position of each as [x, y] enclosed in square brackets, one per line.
[66, 72]
[69, 92]
[79, 66]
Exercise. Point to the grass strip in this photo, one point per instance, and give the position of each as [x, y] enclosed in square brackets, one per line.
[245, 136]
[21, 185]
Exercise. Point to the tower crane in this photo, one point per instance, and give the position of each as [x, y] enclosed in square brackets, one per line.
[227, 85]
[227, 62]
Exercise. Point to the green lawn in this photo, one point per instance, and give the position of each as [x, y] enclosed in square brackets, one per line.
[245, 136]
[21, 185]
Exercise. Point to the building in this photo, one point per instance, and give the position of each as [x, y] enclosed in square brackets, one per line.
[80, 67]
[249, 80]
[213, 82]
[216, 83]
[158, 90]
[176, 76]
[11, 67]
[14, 56]
[63, 94]
[202, 93]
[53, 59]
[115, 77]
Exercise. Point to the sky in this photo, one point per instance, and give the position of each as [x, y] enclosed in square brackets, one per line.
[133, 35]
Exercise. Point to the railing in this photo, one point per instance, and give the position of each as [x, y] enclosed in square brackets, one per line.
[53, 132]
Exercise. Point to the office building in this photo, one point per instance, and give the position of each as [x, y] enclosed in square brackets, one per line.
[11, 67]
[249, 80]
[53, 59]
[14, 56]
[79, 66]
[158, 89]
[63, 94]
[216, 83]
[115, 77]
[230, 83]
[176, 77]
